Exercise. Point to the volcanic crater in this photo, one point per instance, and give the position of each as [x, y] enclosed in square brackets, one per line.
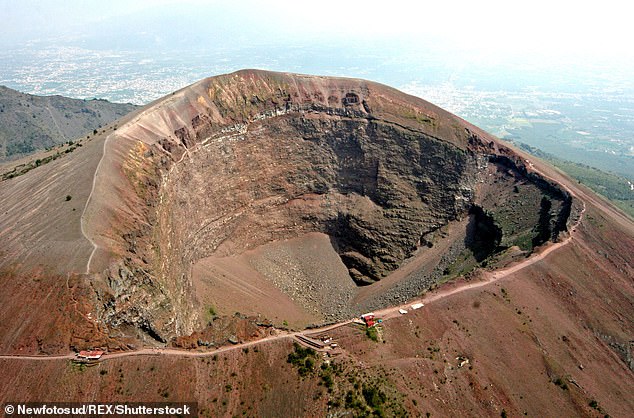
[301, 199]
[292, 196]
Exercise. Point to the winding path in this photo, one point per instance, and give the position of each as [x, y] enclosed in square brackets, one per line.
[83, 214]
[387, 313]
[135, 119]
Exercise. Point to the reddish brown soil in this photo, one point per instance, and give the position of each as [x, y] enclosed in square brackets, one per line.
[260, 382]
[230, 286]
[559, 318]
[251, 282]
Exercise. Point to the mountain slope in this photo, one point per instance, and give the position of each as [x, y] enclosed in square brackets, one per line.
[254, 202]
[30, 123]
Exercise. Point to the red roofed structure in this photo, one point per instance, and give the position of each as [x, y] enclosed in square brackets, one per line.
[90, 355]
[368, 319]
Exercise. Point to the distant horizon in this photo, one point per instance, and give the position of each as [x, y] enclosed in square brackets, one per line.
[493, 30]
[498, 65]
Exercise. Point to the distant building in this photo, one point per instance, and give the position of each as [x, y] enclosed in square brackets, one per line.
[90, 355]
[368, 319]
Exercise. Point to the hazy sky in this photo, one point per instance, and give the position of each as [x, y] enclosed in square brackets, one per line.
[592, 29]
[491, 60]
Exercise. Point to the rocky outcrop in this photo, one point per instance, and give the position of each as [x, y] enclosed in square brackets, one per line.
[134, 302]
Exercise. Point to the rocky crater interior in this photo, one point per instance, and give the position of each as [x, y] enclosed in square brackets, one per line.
[294, 197]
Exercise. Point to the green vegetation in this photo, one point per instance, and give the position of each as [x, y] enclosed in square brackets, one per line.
[595, 405]
[614, 187]
[77, 366]
[418, 117]
[25, 168]
[21, 147]
[210, 313]
[524, 242]
[363, 395]
[464, 263]
[372, 333]
[374, 398]
[303, 359]
[350, 391]
[326, 377]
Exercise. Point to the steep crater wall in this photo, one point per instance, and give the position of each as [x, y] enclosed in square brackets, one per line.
[375, 188]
